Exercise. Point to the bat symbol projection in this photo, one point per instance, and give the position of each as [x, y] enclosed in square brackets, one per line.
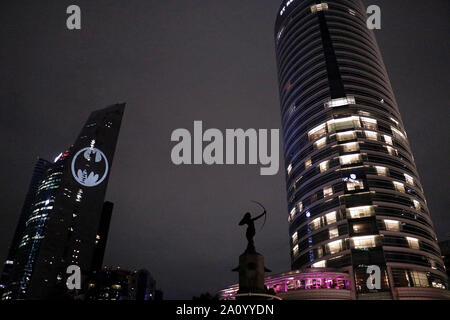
[90, 167]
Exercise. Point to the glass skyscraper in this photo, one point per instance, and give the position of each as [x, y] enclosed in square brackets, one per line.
[64, 220]
[354, 194]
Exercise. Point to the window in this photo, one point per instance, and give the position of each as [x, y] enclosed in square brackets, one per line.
[361, 212]
[295, 250]
[343, 124]
[315, 224]
[400, 187]
[308, 163]
[369, 123]
[334, 233]
[350, 147]
[300, 206]
[346, 136]
[413, 243]
[331, 217]
[417, 205]
[339, 102]
[350, 159]
[335, 246]
[363, 242]
[388, 140]
[392, 225]
[317, 132]
[319, 7]
[328, 191]
[292, 214]
[320, 143]
[409, 179]
[397, 133]
[289, 169]
[371, 135]
[319, 252]
[295, 238]
[419, 279]
[320, 264]
[392, 151]
[382, 171]
[324, 166]
[355, 185]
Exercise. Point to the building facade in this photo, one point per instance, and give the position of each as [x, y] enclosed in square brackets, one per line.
[119, 284]
[64, 217]
[354, 194]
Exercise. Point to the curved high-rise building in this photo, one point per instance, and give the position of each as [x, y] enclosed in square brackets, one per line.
[354, 194]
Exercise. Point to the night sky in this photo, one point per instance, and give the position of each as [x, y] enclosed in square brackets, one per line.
[173, 62]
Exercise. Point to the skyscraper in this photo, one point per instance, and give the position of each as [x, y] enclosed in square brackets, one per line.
[354, 194]
[64, 220]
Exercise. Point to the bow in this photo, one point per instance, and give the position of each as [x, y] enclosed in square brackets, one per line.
[265, 213]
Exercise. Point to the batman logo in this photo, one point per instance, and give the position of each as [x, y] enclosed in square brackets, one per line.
[89, 167]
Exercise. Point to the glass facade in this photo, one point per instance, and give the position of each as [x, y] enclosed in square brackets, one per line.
[351, 168]
[65, 221]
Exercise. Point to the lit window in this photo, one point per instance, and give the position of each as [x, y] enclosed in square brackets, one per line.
[308, 163]
[371, 135]
[295, 237]
[395, 121]
[363, 242]
[339, 102]
[331, 217]
[335, 246]
[328, 191]
[280, 33]
[369, 123]
[352, 12]
[382, 171]
[400, 187]
[324, 166]
[419, 279]
[413, 243]
[317, 132]
[343, 124]
[409, 179]
[289, 169]
[397, 133]
[300, 206]
[392, 151]
[319, 252]
[315, 224]
[392, 225]
[295, 250]
[319, 7]
[388, 140]
[320, 264]
[320, 143]
[334, 233]
[350, 159]
[358, 228]
[346, 136]
[350, 147]
[292, 214]
[417, 205]
[355, 185]
[361, 212]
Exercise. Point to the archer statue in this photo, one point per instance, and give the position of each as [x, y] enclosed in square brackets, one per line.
[251, 231]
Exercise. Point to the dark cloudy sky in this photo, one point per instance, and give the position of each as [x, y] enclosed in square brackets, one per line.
[173, 62]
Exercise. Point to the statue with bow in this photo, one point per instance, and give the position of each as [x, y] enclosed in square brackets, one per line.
[251, 231]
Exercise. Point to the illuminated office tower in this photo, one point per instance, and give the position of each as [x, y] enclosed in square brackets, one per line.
[65, 220]
[354, 194]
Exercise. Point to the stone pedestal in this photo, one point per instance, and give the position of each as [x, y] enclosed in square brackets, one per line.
[251, 273]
